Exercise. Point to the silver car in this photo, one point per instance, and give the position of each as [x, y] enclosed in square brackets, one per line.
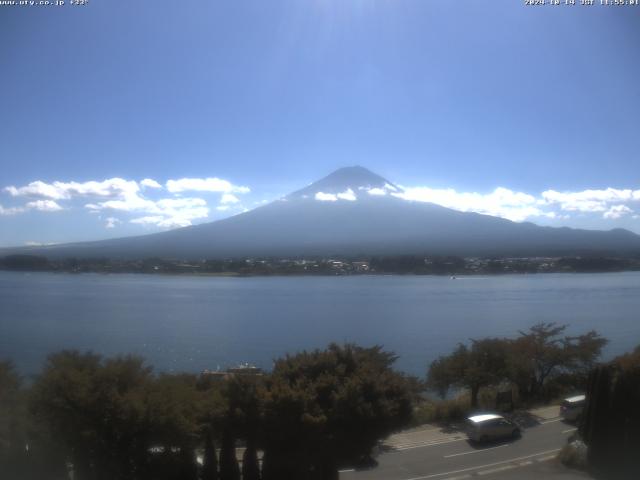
[490, 426]
[572, 407]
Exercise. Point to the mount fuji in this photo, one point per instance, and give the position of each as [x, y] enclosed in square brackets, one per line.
[351, 212]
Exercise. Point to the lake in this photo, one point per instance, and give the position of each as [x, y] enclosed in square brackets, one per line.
[182, 323]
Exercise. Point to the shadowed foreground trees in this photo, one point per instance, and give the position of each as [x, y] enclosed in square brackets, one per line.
[611, 424]
[13, 426]
[113, 419]
[539, 362]
[337, 403]
[9, 412]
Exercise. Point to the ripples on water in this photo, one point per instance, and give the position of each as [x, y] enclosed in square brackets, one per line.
[193, 323]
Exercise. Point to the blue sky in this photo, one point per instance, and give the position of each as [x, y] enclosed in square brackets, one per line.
[451, 100]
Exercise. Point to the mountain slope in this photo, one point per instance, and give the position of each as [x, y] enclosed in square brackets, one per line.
[350, 212]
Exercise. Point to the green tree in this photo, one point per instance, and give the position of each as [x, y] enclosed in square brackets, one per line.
[96, 410]
[27, 451]
[482, 364]
[630, 360]
[212, 419]
[174, 413]
[243, 395]
[250, 464]
[229, 468]
[210, 461]
[543, 352]
[12, 438]
[61, 400]
[611, 420]
[328, 407]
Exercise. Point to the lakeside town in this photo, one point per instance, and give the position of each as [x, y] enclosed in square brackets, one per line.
[405, 264]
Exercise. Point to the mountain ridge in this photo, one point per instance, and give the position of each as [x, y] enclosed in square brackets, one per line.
[352, 211]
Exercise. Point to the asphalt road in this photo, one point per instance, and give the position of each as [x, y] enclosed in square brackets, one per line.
[457, 458]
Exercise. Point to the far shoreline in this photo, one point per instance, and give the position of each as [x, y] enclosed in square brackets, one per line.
[317, 275]
[439, 265]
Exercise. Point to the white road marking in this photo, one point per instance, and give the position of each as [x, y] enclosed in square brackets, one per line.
[551, 421]
[545, 459]
[476, 451]
[405, 443]
[511, 460]
[569, 430]
[347, 470]
[419, 442]
[423, 445]
[497, 469]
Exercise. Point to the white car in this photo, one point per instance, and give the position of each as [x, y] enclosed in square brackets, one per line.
[490, 426]
[571, 408]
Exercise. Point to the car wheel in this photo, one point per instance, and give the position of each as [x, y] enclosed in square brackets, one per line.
[515, 433]
[484, 439]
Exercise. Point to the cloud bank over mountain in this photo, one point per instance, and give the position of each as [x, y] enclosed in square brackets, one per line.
[351, 211]
[186, 201]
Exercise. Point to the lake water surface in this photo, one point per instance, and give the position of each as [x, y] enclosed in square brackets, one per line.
[192, 323]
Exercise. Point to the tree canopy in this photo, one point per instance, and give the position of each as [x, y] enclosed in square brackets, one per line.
[113, 418]
[529, 361]
[340, 402]
[482, 364]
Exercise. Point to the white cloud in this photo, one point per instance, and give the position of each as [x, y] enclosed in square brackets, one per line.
[212, 184]
[229, 198]
[112, 187]
[148, 220]
[120, 195]
[44, 205]
[347, 195]
[174, 219]
[502, 202]
[40, 205]
[111, 222]
[331, 197]
[377, 191]
[325, 197]
[150, 183]
[10, 210]
[588, 200]
[617, 211]
[519, 206]
[128, 201]
[177, 203]
[140, 199]
[37, 189]
[167, 212]
[160, 221]
[128, 204]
